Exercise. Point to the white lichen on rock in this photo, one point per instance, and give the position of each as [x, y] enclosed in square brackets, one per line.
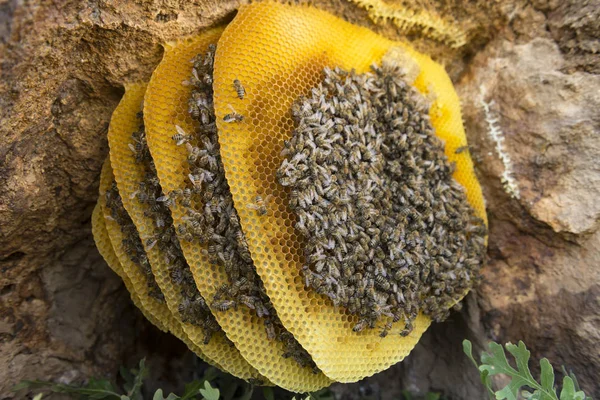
[508, 180]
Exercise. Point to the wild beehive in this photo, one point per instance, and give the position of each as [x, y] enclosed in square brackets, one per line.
[301, 196]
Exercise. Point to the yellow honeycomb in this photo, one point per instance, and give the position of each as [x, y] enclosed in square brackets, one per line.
[135, 282]
[166, 106]
[128, 174]
[107, 252]
[278, 52]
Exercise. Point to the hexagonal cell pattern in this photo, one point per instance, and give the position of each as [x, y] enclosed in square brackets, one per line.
[128, 175]
[166, 105]
[156, 312]
[278, 52]
[107, 252]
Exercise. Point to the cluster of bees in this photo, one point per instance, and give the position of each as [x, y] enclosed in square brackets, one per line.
[131, 240]
[388, 232]
[215, 225]
[192, 309]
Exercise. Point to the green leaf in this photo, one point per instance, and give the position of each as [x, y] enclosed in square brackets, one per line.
[483, 374]
[21, 385]
[268, 393]
[128, 377]
[208, 392]
[100, 384]
[568, 391]
[495, 362]
[433, 396]
[135, 392]
[158, 395]
[577, 388]
[547, 380]
[38, 396]
[191, 390]
[468, 350]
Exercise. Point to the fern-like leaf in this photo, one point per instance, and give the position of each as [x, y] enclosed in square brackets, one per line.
[495, 362]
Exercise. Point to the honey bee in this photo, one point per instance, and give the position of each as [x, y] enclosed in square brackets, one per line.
[180, 137]
[176, 276]
[386, 329]
[239, 89]
[223, 305]
[360, 326]
[270, 329]
[260, 204]
[233, 116]
[461, 149]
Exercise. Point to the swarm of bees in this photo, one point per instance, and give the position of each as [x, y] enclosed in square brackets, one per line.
[373, 230]
[388, 231]
[192, 309]
[216, 224]
[131, 239]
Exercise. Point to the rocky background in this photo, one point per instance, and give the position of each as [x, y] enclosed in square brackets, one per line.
[530, 89]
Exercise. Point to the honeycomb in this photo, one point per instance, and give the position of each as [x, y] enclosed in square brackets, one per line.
[128, 174]
[278, 52]
[152, 309]
[165, 107]
[107, 252]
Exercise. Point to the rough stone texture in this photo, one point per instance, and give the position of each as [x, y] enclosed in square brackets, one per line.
[542, 283]
[65, 316]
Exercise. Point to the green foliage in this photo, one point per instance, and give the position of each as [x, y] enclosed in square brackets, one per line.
[215, 385]
[96, 389]
[495, 362]
[208, 392]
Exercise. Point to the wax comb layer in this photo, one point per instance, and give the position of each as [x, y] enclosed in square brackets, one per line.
[128, 174]
[166, 108]
[107, 252]
[278, 53]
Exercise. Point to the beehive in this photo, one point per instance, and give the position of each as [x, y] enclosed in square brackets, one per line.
[128, 174]
[165, 107]
[278, 52]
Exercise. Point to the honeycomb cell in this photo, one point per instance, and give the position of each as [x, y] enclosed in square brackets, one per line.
[128, 174]
[165, 93]
[290, 46]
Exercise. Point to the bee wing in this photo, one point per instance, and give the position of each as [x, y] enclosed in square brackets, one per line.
[180, 130]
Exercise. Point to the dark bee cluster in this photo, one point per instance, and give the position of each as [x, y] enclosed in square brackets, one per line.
[131, 239]
[192, 309]
[212, 220]
[388, 232]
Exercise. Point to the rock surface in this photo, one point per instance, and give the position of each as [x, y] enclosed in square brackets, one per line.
[528, 74]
